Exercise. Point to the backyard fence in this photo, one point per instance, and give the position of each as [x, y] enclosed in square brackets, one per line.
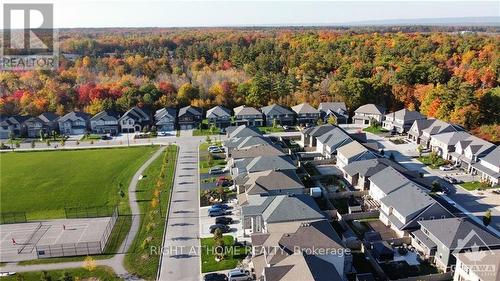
[80, 248]
[89, 212]
[13, 217]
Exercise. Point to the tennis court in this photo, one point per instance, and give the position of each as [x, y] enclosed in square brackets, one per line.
[54, 238]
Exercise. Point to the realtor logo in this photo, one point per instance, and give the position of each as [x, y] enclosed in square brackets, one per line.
[29, 40]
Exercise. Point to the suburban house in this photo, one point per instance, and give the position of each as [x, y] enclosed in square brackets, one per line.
[358, 173]
[219, 116]
[272, 183]
[165, 119]
[240, 167]
[436, 127]
[352, 151]
[416, 130]
[50, 120]
[13, 125]
[34, 126]
[327, 144]
[277, 114]
[488, 167]
[368, 112]
[74, 123]
[134, 120]
[400, 121]
[306, 114]
[250, 116]
[440, 239]
[402, 208]
[474, 267]
[242, 131]
[189, 117]
[262, 211]
[445, 143]
[105, 122]
[386, 181]
[336, 109]
[308, 136]
[256, 151]
[285, 252]
[469, 151]
[238, 143]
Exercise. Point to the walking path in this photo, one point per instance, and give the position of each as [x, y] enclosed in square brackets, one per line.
[180, 257]
[116, 262]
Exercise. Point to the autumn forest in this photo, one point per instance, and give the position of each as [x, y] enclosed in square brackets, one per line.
[448, 75]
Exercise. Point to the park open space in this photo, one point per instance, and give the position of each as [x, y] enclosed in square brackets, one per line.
[42, 184]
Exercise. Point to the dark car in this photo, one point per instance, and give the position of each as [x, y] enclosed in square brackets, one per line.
[215, 277]
[223, 220]
[224, 228]
[221, 206]
[106, 137]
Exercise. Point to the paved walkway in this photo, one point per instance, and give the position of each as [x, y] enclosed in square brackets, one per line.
[180, 259]
[116, 262]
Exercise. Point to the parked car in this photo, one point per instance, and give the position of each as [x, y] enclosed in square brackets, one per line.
[215, 150]
[223, 220]
[223, 227]
[221, 206]
[215, 212]
[215, 277]
[239, 274]
[215, 170]
[106, 137]
[451, 180]
[222, 181]
[446, 168]
[163, 134]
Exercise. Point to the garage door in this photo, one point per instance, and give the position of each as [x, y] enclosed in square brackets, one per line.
[186, 127]
[78, 131]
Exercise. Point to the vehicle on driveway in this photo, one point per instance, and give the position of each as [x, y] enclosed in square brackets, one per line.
[452, 180]
[223, 181]
[446, 168]
[223, 227]
[215, 150]
[223, 220]
[215, 212]
[220, 206]
[215, 170]
[215, 277]
[239, 274]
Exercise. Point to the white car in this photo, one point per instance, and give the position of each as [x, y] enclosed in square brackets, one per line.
[239, 274]
[446, 168]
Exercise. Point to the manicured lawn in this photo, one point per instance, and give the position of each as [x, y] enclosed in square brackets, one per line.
[375, 130]
[267, 130]
[206, 132]
[473, 185]
[434, 164]
[90, 137]
[99, 273]
[43, 183]
[234, 255]
[205, 162]
[157, 184]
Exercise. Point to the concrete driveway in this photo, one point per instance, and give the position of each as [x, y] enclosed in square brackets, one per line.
[206, 222]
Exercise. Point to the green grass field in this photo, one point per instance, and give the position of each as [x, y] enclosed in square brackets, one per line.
[99, 273]
[43, 183]
[234, 254]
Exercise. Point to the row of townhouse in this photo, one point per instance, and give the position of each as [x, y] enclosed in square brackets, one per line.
[404, 203]
[453, 143]
[291, 237]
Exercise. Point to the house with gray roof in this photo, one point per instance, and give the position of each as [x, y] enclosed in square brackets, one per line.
[467, 267]
[469, 150]
[246, 115]
[277, 114]
[386, 181]
[337, 110]
[305, 114]
[408, 204]
[256, 151]
[105, 122]
[288, 242]
[416, 130]
[242, 131]
[400, 121]
[309, 136]
[261, 212]
[240, 167]
[488, 167]
[272, 183]
[351, 152]
[74, 123]
[238, 143]
[436, 127]
[358, 173]
[134, 120]
[439, 240]
[45, 123]
[165, 119]
[368, 112]
[12, 126]
[189, 117]
[50, 120]
[219, 116]
[329, 143]
[443, 144]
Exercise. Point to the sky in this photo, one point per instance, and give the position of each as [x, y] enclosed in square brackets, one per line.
[136, 13]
